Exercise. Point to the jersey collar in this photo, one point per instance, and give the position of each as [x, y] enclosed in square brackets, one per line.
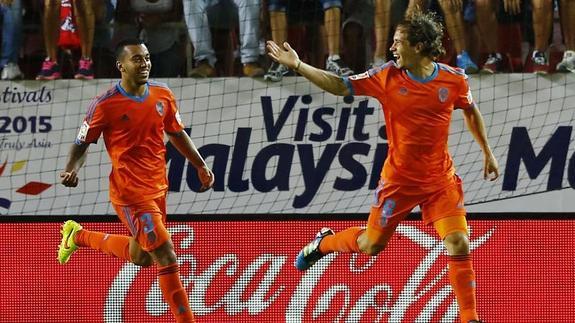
[136, 98]
[427, 79]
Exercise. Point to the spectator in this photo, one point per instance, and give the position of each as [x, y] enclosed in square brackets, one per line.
[332, 24]
[382, 21]
[453, 17]
[158, 25]
[488, 27]
[85, 20]
[357, 32]
[567, 14]
[11, 12]
[195, 14]
[542, 23]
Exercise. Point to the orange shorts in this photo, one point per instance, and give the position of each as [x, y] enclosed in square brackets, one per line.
[392, 203]
[146, 222]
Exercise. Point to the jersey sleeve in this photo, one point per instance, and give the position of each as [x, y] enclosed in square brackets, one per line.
[464, 98]
[93, 124]
[173, 122]
[369, 83]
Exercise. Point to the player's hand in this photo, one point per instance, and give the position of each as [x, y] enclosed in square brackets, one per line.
[512, 7]
[206, 177]
[490, 168]
[285, 56]
[69, 179]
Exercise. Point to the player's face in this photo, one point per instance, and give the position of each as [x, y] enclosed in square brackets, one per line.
[406, 55]
[135, 63]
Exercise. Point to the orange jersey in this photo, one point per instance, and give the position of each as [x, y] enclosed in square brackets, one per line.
[417, 117]
[133, 130]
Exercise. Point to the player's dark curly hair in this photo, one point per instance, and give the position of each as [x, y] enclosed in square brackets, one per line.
[119, 51]
[425, 28]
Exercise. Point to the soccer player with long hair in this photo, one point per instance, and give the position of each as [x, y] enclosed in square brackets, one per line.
[418, 97]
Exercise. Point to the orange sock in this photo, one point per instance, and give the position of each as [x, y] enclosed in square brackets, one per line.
[343, 241]
[110, 244]
[174, 293]
[462, 278]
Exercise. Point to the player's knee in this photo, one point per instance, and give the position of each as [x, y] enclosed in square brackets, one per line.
[457, 243]
[369, 248]
[143, 261]
[165, 254]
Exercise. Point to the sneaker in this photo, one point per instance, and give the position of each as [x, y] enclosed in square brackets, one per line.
[202, 70]
[85, 70]
[464, 62]
[276, 72]
[540, 63]
[338, 67]
[310, 254]
[50, 71]
[493, 64]
[68, 246]
[253, 70]
[568, 62]
[11, 72]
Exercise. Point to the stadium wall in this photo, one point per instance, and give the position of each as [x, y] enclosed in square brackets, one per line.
[289, 159]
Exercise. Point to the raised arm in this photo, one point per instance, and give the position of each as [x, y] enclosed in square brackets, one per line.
[76, 158]
[324, 79]
[475, 124]
[186, 147]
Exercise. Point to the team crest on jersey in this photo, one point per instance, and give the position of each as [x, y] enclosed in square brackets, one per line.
[160, 108]
[443, 94]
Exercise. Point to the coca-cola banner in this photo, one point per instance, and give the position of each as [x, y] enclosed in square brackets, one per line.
[243, 272]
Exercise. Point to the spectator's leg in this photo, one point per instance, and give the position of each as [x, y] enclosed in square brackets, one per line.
[51, 30]
[278, 25]
[542, 20]
[381, 26]
[249, 22]
[487, 23]
[332, 22]
[456, 29]
[568, 23]
[11, 32]
[454, 24]
[488, 27]
[195, 14]
[86, 21]
[567, 12]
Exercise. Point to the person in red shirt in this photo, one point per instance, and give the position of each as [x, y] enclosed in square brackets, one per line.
[133, 116]
[418, 97]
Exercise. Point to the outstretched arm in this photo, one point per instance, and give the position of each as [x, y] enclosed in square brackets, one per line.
[76, 158]
[186, 147]
[476, 126]
[324, 79]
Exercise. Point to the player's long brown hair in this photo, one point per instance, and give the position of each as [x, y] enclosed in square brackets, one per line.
[425, 28]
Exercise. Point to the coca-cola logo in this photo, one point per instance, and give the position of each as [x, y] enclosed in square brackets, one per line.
[229, 287]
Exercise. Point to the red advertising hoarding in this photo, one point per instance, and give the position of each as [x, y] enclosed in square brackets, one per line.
[243, 272]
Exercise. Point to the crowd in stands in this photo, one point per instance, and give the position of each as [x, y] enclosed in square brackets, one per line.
[53, 39]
